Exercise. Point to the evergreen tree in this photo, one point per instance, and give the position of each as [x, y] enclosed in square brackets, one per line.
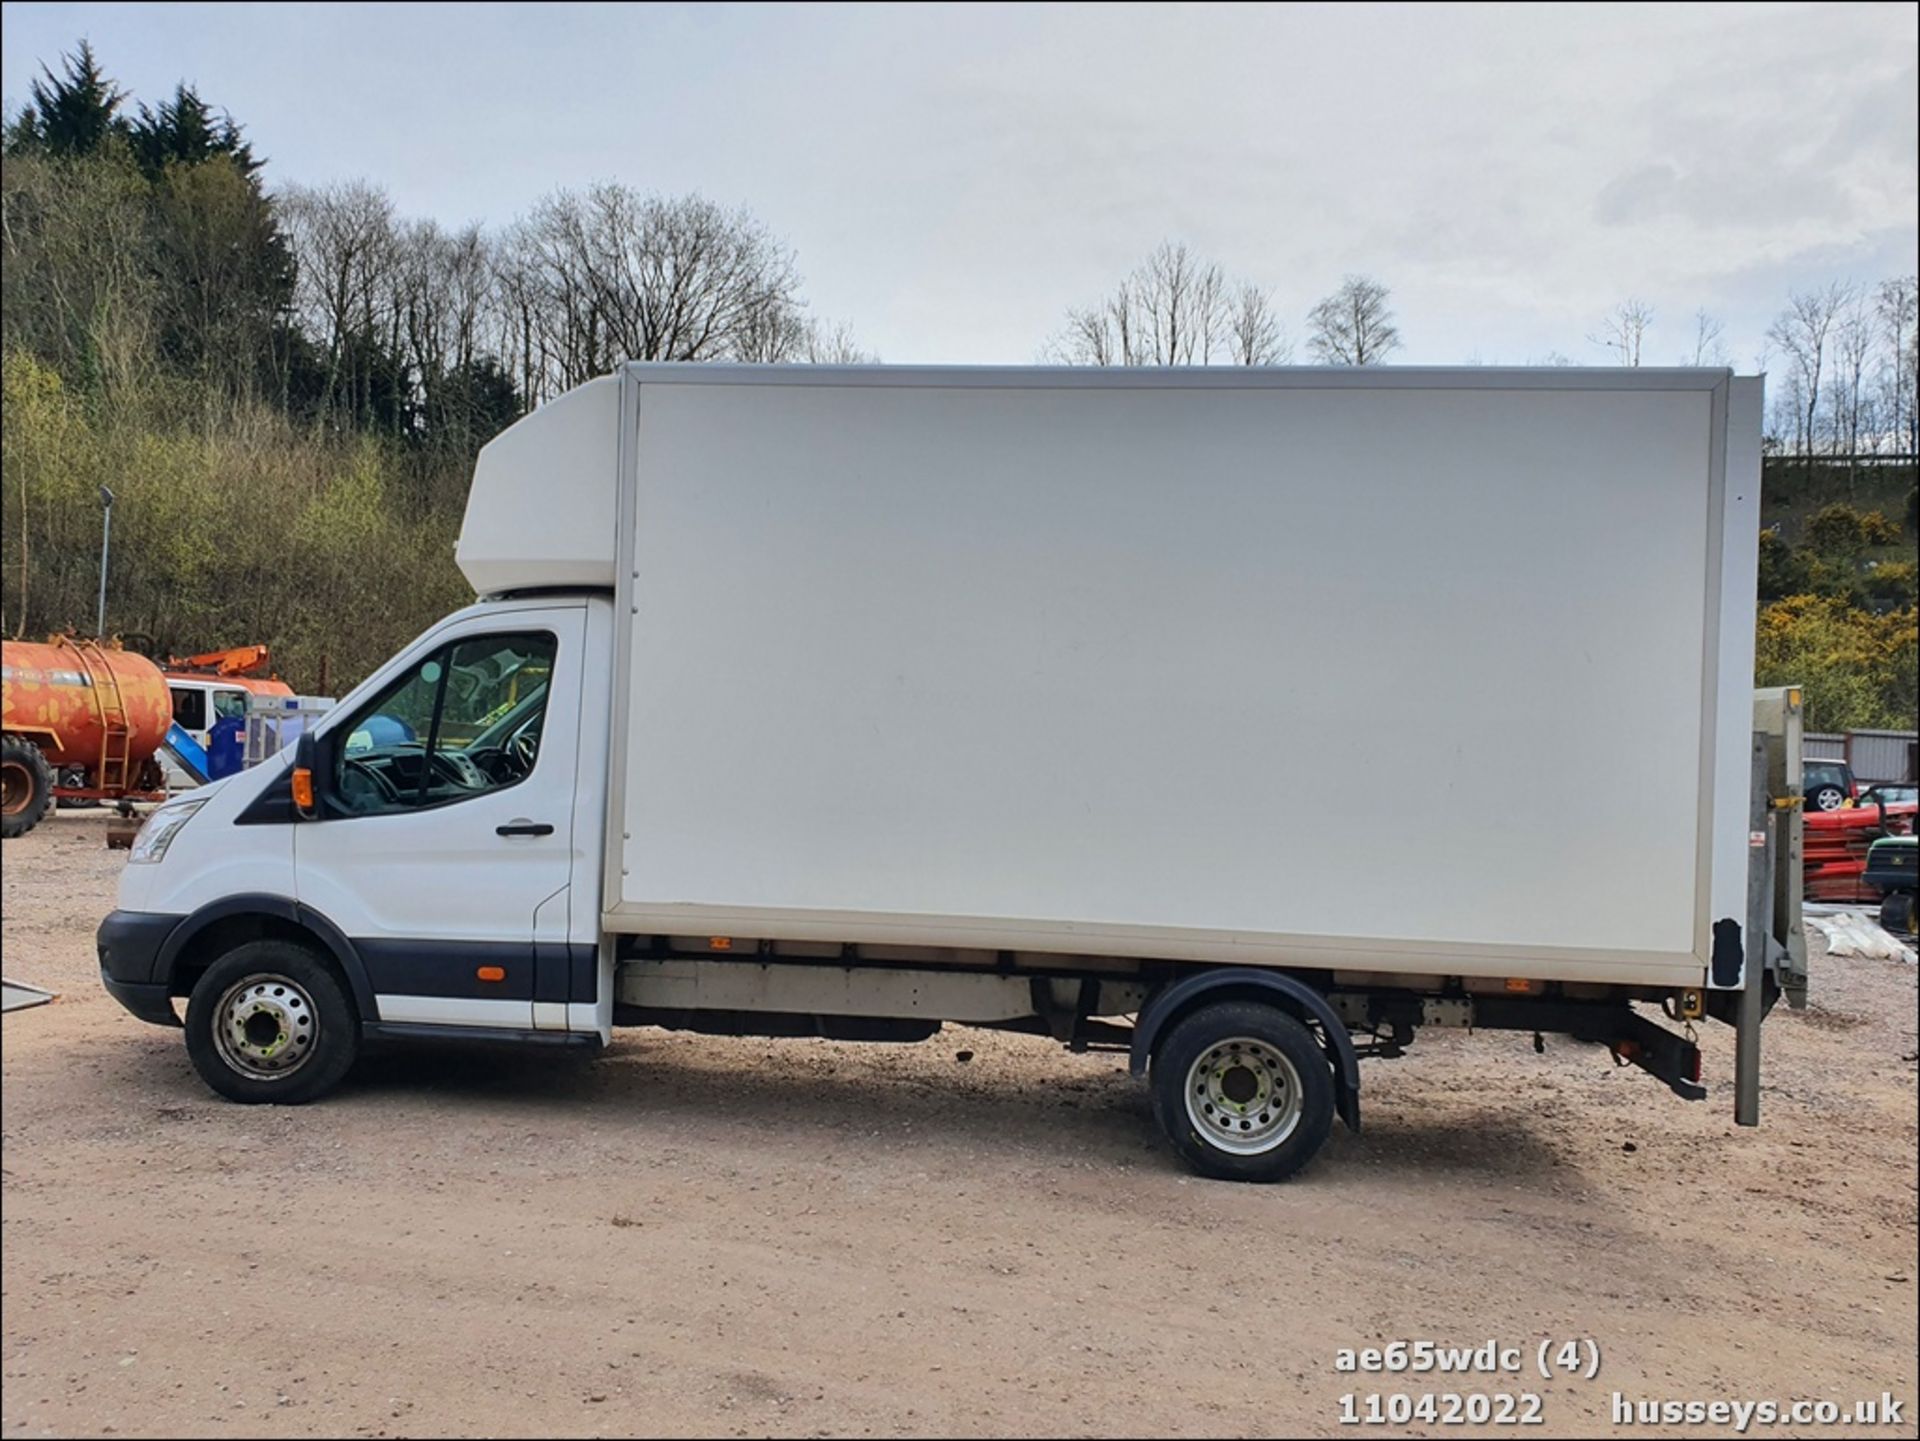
[184, 131]
[224, 270]
[70, 115]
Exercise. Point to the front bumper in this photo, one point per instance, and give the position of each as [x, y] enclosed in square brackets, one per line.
[149, 1002]
[129, 944]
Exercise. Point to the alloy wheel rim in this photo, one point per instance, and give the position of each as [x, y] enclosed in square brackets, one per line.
[1243, 1096]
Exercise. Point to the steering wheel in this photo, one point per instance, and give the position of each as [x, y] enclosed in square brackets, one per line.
[524, 747]
[361, 785]
[460, 769]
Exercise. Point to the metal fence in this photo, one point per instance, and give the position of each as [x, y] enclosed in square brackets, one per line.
[1864, 457]
[1874, 755]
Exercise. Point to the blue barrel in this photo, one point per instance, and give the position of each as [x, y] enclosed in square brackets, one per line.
[227, 747]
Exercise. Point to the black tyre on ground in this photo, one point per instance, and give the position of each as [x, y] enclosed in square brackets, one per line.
[1896, 913]
[1243, 1091]
[26, 786]
[271, 1021]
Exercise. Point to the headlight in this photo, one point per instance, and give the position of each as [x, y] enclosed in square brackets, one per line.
[160, 829]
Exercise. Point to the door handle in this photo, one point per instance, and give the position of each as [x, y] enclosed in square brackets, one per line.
[524, 828]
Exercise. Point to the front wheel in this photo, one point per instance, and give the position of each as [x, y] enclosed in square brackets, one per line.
[270, 1021]
[1243, 1091]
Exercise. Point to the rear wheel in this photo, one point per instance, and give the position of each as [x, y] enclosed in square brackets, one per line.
[1243, 1091]
[26, 786]
[271, 1021]
[1827, 798]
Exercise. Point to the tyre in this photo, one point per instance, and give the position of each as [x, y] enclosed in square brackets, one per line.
[1896, 914]
[270, 1021]
[1243, 1091]
[1826, 798]
[26, 786]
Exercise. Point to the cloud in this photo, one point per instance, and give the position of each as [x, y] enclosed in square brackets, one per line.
[1640, 194]
[955, 177]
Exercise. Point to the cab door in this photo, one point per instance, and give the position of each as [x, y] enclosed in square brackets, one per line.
[189, 708]
[192, 712]
[446, 824]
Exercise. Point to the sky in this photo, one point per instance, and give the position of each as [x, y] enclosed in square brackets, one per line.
[953, 179]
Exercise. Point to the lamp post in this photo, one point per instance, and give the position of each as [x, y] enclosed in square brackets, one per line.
[106, 541]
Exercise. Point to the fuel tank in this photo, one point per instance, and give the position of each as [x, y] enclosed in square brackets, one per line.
[59, 696]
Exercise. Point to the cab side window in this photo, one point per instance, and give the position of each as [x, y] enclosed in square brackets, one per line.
[190, 708]
[463, 722]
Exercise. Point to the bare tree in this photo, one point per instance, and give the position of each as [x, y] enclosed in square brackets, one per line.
[1851, 398]
[1624, 331]
[1353, 326]
[1895, 305]
[440, 293]
[1098, 335]
[343, 239]
[787, 335]
[1254, 330]
[592, 277]
[833, 345]
[519, 332]
[776, 335]
[1183, 303]
[1803, 333]
[620, 274]
[1707, 346]
[1172, 310]
[1788, 399]
[547, 269]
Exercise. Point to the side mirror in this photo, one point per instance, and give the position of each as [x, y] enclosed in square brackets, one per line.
[306, 761]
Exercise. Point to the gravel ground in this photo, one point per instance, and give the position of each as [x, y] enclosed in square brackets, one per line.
[696, 1236]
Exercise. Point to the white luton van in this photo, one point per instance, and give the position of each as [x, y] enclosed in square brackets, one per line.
[1247, 721]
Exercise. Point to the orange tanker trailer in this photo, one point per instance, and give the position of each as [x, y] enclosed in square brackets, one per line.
[77, 705]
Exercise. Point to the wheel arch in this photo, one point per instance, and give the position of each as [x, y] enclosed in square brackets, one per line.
[1274, 988]
[220, 925]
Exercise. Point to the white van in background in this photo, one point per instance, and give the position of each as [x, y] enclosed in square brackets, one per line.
[209, 689]
[197, 706]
